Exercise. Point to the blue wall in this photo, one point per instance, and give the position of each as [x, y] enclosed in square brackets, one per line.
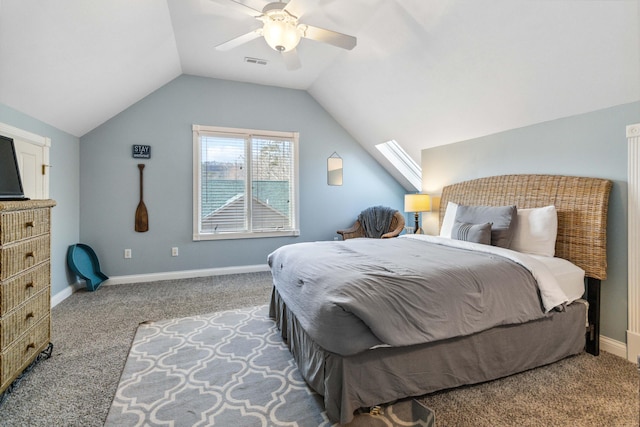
[592, 144]
[109, 175]
[63, 188]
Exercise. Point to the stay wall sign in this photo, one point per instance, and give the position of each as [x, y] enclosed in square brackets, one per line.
[141, 152]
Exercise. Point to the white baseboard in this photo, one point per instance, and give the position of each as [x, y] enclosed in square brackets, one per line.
[151, 277]
[66, 293]
[612, 346]
[633, 346]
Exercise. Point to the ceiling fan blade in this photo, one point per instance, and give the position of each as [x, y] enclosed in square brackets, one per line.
[287, 6]
[240, 7]
[327, 36]
[291, 60]
[245, 38]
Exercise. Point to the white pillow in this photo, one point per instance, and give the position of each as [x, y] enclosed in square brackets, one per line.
[536, 231]
[448, 220]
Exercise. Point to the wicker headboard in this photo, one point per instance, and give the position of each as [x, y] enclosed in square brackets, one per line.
[581, 203]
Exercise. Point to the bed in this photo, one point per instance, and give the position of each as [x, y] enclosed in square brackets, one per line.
[378, 333]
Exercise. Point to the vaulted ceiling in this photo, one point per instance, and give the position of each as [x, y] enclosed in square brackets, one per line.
[424, 72]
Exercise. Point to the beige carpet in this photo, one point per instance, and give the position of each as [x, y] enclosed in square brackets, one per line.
[579, 391]
[92, 334]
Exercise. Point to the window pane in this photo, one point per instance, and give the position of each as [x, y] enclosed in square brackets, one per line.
[403, 162]
[271, 185]
[244, 183]
[223, 184]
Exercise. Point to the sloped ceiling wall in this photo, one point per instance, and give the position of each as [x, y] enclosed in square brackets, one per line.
[425, 73]
[466, 69]
[75, 64]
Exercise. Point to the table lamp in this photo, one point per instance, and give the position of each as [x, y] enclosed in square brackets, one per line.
[417, 203]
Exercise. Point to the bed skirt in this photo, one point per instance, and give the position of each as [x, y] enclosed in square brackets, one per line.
[386, 374]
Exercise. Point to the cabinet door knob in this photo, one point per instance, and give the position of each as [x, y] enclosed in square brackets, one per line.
[29, 224]
[29, 315]
[30, 255]
[30, 346]
[29, 285]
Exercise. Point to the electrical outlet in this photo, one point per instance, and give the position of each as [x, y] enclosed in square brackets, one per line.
[174, 251]
[127, 253]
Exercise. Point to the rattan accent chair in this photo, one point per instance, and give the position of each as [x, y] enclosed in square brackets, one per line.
[357, 230]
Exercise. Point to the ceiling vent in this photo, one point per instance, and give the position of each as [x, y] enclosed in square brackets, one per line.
[257, 61]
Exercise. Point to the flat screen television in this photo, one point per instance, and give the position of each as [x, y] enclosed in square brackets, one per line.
[10, 181]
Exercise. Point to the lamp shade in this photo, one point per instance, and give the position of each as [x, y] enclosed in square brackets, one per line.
[281, 35]
[417, 203]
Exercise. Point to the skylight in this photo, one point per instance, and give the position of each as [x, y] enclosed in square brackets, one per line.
[401, 160]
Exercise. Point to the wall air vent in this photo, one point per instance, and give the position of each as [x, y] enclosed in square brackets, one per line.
[257, 61]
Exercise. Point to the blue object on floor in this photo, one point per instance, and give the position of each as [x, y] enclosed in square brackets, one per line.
[83, 261]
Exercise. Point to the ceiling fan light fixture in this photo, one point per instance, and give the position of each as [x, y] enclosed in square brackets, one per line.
[282, 35]
[282, 32]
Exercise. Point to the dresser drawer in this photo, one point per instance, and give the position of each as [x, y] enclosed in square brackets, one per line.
[21, 256]
[15, 358]
[23, 224]
[25, 316]
[20, 288]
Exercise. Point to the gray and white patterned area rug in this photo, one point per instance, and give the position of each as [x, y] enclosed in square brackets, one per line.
[226, 369]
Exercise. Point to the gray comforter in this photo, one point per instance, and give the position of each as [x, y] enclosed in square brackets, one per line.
[360, 293]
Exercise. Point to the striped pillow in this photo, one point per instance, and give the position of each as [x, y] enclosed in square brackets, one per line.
[476, 233]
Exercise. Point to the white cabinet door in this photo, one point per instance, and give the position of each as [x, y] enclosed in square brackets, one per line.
[33, 160]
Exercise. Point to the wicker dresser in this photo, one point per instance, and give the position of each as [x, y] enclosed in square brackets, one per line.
[25, 285]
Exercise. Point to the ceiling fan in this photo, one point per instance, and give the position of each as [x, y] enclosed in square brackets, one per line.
[282, 31]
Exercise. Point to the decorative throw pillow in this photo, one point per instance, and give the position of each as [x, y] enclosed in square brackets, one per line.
[448, 220]
[536, 231]
[502, 218]
[477, 233]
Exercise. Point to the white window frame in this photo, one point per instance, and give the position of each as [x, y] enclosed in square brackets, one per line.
[197, 162]
[402, 162]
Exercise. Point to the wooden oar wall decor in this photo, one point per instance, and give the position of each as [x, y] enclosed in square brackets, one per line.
[142, 216]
